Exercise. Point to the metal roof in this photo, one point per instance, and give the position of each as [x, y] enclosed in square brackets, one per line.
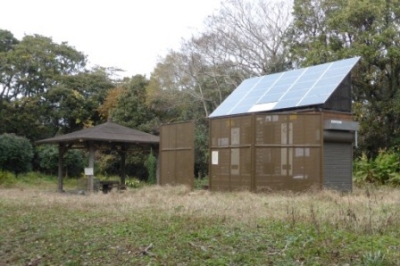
[107, 132]
[296, 88]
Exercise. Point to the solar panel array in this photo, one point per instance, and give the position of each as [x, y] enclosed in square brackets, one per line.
[296, 88]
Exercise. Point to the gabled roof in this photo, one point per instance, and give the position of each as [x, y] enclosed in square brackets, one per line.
[107, 132]
[303, 87]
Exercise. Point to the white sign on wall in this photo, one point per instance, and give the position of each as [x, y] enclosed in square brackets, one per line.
[89, 171]
[214, 157]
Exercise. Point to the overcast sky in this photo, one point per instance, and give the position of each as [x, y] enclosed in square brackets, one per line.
[128, 34]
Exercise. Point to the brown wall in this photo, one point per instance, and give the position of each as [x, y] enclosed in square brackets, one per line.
[266, 152]
[177, 154]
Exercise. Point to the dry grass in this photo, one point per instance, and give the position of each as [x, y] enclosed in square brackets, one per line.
[365, 210]
[175, 226]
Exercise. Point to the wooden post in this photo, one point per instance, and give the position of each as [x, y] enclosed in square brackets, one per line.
[91, 165]
[61, 151]
[122, 168]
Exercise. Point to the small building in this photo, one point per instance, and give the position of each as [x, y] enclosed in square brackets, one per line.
[291, 130]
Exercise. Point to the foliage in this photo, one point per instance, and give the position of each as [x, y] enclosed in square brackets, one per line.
[151, 166]
[73, 104]
[201, 183]
[384, 169]
[108, 163]
[110, 102]
[134, 183]
[325, 30]
[7, 41]
[7, 179]
[16, 153]
[33, 180]
[44, 88]
[201, 152]
[131, 110]
[48, 161]
[74, 163]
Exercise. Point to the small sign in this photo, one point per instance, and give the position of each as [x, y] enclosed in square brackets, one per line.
[89, 171]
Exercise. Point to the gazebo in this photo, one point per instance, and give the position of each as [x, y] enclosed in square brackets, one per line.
[110, 135]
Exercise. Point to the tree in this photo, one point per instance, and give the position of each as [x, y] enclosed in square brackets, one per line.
[131, 109]
[110, 102]
[74, 103]
[251, 34]
[7, 41]
[16, 153]
[326, 30]
[44, 88]
[243, 39]
[28, 70]
[35, 64]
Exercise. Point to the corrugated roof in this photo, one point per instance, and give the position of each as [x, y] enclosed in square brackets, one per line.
[107, 132]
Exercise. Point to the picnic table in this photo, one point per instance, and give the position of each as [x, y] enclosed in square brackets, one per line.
[107, 185]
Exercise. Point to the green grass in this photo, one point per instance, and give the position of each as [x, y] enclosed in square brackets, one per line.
[33, 180]
[175, 226]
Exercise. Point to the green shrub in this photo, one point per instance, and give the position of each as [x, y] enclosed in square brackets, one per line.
[384, 169]
[201, 183]
[48, 161]
[151, 166]
[7, 178]
[16, 153]
[363, 170]
[134, 183]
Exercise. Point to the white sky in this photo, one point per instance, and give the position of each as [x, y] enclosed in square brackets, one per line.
[128, 34]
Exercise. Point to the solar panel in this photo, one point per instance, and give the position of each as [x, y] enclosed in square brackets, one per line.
[291, 89]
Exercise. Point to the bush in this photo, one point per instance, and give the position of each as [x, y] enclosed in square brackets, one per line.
[7, 178]
[134, 183]
[201, 183]
[16, 153]
[48, 161]
[384, 169]
[151, 166]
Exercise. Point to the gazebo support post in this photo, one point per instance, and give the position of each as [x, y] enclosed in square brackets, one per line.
[61, 151]
[122, 153]
[158, 167]
[91, 165]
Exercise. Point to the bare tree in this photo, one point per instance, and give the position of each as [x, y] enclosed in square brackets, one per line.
[243, 39]
[251, 33]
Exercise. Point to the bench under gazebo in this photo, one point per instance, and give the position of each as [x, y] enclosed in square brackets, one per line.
[107, 135]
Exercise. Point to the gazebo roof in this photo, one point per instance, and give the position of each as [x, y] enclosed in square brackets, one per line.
[107, 132]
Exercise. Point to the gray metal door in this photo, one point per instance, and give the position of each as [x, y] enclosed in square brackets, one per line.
[177, 154]
[338, 162]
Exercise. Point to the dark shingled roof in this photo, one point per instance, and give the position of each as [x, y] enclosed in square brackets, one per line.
[107, 132]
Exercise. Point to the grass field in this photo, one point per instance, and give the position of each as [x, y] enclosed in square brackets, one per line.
[175, 226]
